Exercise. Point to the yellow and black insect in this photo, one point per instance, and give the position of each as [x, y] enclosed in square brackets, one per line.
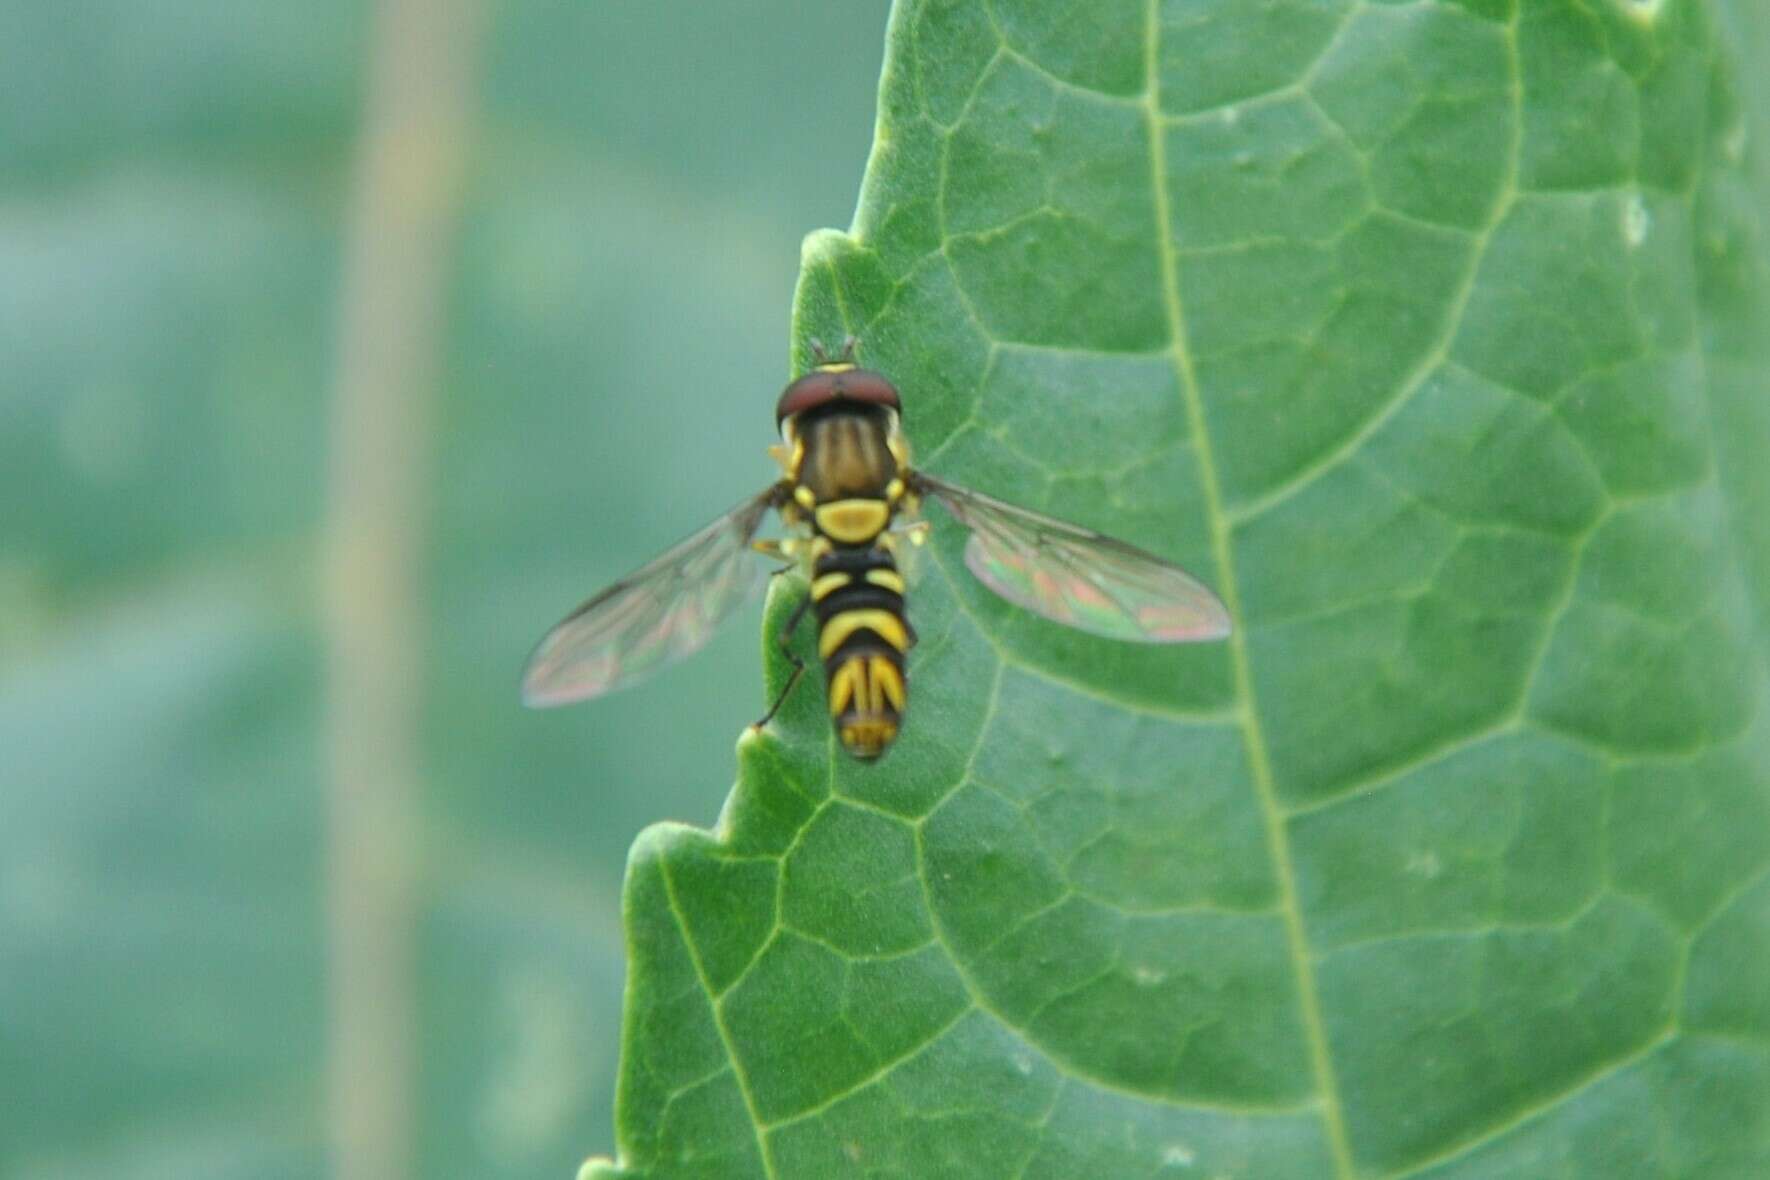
[848, 499]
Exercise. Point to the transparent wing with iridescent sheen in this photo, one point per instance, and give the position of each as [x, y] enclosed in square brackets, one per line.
[1078, 577]
[653, 617]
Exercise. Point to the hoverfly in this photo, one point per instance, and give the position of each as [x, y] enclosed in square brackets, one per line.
[848, 499]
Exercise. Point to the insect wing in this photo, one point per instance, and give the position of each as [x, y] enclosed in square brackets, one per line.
[1077, 577]
[656, 616]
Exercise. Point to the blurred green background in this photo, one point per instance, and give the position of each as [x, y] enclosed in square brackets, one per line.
[615, 288]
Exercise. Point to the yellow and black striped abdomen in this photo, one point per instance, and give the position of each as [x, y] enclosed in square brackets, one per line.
[862, 638]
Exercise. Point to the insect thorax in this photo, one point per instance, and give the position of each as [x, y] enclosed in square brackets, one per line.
[847, 452]
[845, 462]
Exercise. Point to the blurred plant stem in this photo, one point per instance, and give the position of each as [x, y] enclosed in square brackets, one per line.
[406, 194]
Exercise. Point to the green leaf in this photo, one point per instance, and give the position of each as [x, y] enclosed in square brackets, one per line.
[1431, 335]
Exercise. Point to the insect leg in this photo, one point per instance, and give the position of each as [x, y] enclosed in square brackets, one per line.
[786, 642]
[915, 534]
[790, 549]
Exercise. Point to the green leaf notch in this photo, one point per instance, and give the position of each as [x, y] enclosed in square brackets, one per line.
[1430, 333]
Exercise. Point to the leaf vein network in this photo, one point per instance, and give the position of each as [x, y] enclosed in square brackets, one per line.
[731, 1053]
[1438, 353]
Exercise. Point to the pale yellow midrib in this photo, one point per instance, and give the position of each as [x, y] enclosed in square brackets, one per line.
[1277, 839]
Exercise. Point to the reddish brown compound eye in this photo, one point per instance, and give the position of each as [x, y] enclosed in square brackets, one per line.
[825, 385]
[813, 389]
[864, 385]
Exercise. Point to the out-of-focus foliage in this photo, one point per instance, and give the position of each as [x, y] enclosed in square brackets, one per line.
[175, 177]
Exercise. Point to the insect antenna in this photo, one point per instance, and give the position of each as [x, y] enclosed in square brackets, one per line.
[821, 354]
